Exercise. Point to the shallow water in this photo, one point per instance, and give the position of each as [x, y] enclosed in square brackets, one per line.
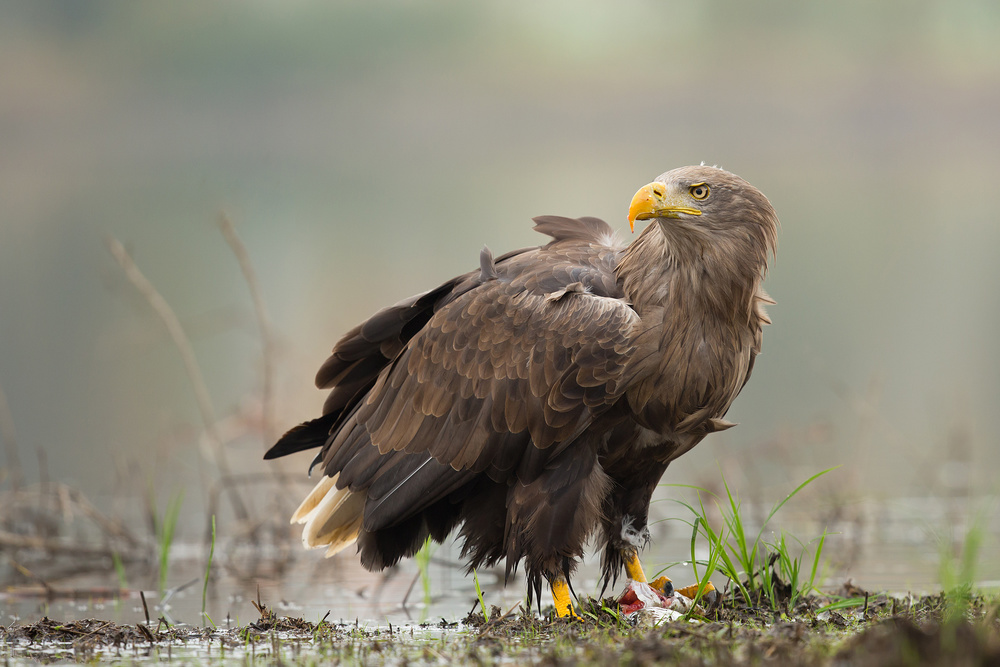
[188, 645]
[890, 546]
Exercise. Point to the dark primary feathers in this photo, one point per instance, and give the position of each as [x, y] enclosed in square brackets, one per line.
[543, 395]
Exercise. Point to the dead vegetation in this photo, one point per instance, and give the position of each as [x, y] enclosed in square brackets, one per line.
[887, 631]
[52, 534]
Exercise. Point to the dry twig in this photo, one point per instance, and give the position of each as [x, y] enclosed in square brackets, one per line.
[263, 322]
[183, 344]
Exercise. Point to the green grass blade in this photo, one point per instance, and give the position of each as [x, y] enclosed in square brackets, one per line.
[423, 561]
[699, 489]
[816, 560]
[479, 594]
[694, 539]
[208, 570]
[791, 495]
[842, 604]
[167, 527]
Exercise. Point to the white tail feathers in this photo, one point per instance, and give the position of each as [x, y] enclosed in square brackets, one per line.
[332, 516]
[301, 515]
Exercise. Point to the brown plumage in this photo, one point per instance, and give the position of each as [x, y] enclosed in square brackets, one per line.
[541, 397]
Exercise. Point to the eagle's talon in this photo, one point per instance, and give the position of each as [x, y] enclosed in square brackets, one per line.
[709, 595]
[562, 601]
[664, 585]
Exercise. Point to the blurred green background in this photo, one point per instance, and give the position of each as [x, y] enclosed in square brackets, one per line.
[366, 151]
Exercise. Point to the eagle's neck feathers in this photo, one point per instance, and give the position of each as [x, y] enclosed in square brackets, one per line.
[701, 314]
[681, 271]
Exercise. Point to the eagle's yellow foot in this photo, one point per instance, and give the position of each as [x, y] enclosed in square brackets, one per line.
[561, 598]
[708, 595]
[634, 570]
[664, 585]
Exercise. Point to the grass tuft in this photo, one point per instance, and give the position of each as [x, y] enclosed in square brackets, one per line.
[957, 569]
[754, 567]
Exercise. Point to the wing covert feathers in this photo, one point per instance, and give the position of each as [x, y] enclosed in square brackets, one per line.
[503, 358]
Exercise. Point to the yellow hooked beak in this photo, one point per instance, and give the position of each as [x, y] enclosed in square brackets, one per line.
[652, 201]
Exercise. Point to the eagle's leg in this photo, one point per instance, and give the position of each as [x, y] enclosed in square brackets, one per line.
[624, 524]
[633, 568]
[551, 509]
[561, 597]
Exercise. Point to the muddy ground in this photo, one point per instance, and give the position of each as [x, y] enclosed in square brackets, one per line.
[884, 630]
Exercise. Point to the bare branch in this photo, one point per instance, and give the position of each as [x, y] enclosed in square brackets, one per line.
[263, 322]
[183, 344]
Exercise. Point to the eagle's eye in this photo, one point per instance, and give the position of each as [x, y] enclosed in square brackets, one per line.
[699, 191]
